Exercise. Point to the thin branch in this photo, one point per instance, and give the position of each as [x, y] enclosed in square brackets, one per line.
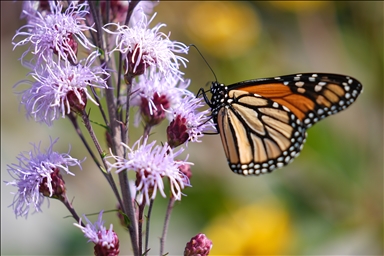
[147, 227]
[100, 106]
[140, 225]
[72, 117]
[72, 210]
[106, 174]
[166, 223]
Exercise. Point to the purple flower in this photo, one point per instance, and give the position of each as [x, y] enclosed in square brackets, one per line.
[143, 47]
[151, 164]
[106, 240]
[188, 123]
[62, 87]
[33, 177]
[154, 94]
[54, 32]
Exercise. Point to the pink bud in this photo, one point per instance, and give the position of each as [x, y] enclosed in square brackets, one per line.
[199, 245]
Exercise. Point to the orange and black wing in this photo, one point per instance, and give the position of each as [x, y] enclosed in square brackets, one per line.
[258, 134]
[311, 97]
[263, 122]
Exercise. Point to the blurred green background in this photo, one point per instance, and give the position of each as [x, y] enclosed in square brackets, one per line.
[328, 201]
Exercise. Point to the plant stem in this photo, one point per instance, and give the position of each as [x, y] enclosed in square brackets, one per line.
[72, 117]
[140, 226]
[147, 226]
[72, 211]
[166, 223]
[106, 174]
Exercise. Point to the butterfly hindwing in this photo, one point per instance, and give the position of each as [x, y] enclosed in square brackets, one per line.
[258, 134]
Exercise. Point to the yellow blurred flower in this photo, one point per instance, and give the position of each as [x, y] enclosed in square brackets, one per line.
[300, 6]
[225, 29]
[257, 229]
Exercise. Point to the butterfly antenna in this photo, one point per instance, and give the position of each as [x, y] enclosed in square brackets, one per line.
[206, 62]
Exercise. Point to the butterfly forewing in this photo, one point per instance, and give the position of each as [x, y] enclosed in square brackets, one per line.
[311, 97]
[263, 122]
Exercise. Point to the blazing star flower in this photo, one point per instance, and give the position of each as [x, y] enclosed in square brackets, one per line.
[36, 176]
[188, 123]
[151, 164]
[143, 47]
[106, 241]
[54, 32]
[62, 87]
[154, 94]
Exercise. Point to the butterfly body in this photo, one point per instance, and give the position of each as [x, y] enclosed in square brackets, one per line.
[263, 122]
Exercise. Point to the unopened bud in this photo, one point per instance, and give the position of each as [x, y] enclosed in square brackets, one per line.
[199, 245]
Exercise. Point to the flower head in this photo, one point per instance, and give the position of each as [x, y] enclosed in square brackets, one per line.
[151, 164]
[143, 47]
[36, 176]
[61, 88]
[155, 94]
[54, 32]
[199, 245]
[106, 240]
[188, 123]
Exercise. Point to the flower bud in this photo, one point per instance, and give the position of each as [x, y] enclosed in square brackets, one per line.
[57, 183]
[77, 101]
[154, 116]
[186, 170]
[199, 245]
[73, 47]
[177, 132]
[102, 248]
[135, 62]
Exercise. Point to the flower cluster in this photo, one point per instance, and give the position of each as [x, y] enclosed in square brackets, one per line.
[61, 81]
[73, 48]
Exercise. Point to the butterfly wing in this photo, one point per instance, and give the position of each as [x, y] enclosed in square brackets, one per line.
[311, 97]
[263, 122]
[258, 134]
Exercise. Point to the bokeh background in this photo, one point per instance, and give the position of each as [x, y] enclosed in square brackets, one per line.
[329, 201]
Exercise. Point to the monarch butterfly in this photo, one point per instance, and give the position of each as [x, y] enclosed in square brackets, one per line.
[262, 123]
